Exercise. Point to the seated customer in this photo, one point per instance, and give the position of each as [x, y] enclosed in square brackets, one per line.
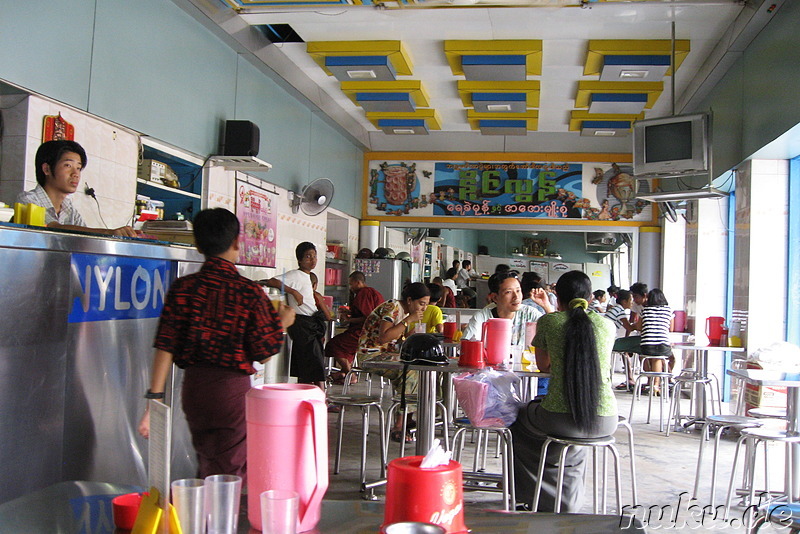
[58, 173]
[433, 319]
[506, 296]
[619, 314]
[342, 347]
[574, 346]
[384, 328]
[448, 299]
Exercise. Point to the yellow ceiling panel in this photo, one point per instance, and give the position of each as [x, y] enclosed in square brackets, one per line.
[578, 116]
[598, 48]
[586, 88]
[532, 118]
[395, 50]
[431, 116]
[531, 88]
[530, 48]
[414, 87]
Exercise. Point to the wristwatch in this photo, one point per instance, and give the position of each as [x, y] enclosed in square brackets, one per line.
[151, 395]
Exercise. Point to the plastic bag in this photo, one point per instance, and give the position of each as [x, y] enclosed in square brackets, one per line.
[779, 356]
[489, 397]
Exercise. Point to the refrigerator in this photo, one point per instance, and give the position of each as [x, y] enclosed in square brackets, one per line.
[599, 274]
[387, 276]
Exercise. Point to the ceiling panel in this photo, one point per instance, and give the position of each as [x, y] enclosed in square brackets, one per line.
[426, 45]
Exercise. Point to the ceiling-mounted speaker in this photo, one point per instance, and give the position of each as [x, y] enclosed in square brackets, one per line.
[314, 198]
[242, 138]
[434, 232]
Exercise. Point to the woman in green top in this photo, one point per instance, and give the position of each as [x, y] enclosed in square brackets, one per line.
[574, 345]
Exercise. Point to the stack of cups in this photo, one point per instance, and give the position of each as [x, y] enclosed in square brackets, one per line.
[212, 503]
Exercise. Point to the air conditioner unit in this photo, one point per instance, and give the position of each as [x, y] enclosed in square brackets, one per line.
[605, 238]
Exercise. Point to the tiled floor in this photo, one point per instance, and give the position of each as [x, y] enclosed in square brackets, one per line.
[665, 468]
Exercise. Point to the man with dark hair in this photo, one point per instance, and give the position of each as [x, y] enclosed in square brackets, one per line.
[214, 325]
[465, 275]
[639, 293]
[307, 359]
[58, 174]
[505, 293]
[342, 348]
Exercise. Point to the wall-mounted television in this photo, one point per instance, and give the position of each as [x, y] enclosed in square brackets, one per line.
[674, 145]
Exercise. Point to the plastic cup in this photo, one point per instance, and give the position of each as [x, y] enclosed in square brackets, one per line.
[279, 512]
[420, 328]
[449, 330]
[222, 495]
[188, 499]
[124, 509]
[471, 354]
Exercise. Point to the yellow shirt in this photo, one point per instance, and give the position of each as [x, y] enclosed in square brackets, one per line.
[431, 317]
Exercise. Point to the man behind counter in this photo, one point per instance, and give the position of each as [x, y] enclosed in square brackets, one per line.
[58, 173]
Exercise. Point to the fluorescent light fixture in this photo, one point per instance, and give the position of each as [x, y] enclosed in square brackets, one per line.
[403, 131]
[686, 194]
[498, 107]
[605, 133]
[362, 74]
[633, 74]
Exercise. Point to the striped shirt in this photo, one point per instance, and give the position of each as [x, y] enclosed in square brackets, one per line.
[616, 313]
[655, 325]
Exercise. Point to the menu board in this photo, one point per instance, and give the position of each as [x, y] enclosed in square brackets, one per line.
[257, 213]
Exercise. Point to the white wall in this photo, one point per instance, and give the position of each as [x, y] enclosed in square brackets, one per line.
[760, 251]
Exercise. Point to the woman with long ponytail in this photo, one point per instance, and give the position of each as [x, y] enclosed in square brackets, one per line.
[574, 345]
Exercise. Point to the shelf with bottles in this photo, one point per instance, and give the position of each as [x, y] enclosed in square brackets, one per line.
[171, 176]
[336, 274]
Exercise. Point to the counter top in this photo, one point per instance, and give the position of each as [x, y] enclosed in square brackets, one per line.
[40, 238]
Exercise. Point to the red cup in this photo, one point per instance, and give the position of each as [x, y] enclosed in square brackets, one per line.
[124, 509]
[449, 331]
[433, 495]
[471, 354]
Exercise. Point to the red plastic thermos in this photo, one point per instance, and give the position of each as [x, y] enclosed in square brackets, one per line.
[714, 330]
[433, 495]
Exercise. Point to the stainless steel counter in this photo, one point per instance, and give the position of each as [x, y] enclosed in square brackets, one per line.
[79, 314]
[72, 507]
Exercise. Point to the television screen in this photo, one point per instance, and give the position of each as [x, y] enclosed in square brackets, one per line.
[672, 145]
[665, 142]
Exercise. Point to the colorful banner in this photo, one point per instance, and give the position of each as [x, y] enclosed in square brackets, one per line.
[118, 287]
[545, 190]
[257, 215]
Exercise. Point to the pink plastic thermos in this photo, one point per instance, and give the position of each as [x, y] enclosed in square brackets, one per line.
[496, 338]
[287, 448]
[714, 329]
[679, 325]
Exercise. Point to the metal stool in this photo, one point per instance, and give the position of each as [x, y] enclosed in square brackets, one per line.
[627, 426]
[768, 413]
[688, 378]
[412, 399]
[755, 437]
[606, 443]
[364, 402]
[664, 390]
[721, 422]
[786, 515]
[506, 478]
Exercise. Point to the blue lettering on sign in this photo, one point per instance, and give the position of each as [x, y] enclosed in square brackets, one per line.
[116, 287]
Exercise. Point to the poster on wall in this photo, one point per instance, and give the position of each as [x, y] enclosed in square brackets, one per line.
[257, 213]
[542, 190]
[542, 268]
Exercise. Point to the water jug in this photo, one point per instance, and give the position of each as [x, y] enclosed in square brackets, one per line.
[714, 329]
[679, 325]
[287, 448]
[496, 338]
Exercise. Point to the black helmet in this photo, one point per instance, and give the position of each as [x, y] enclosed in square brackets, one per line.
[381, 253]
[423, 349]
[405, 256]
[364, 253]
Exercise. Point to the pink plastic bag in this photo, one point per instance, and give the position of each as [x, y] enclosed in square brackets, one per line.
[489, 397]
